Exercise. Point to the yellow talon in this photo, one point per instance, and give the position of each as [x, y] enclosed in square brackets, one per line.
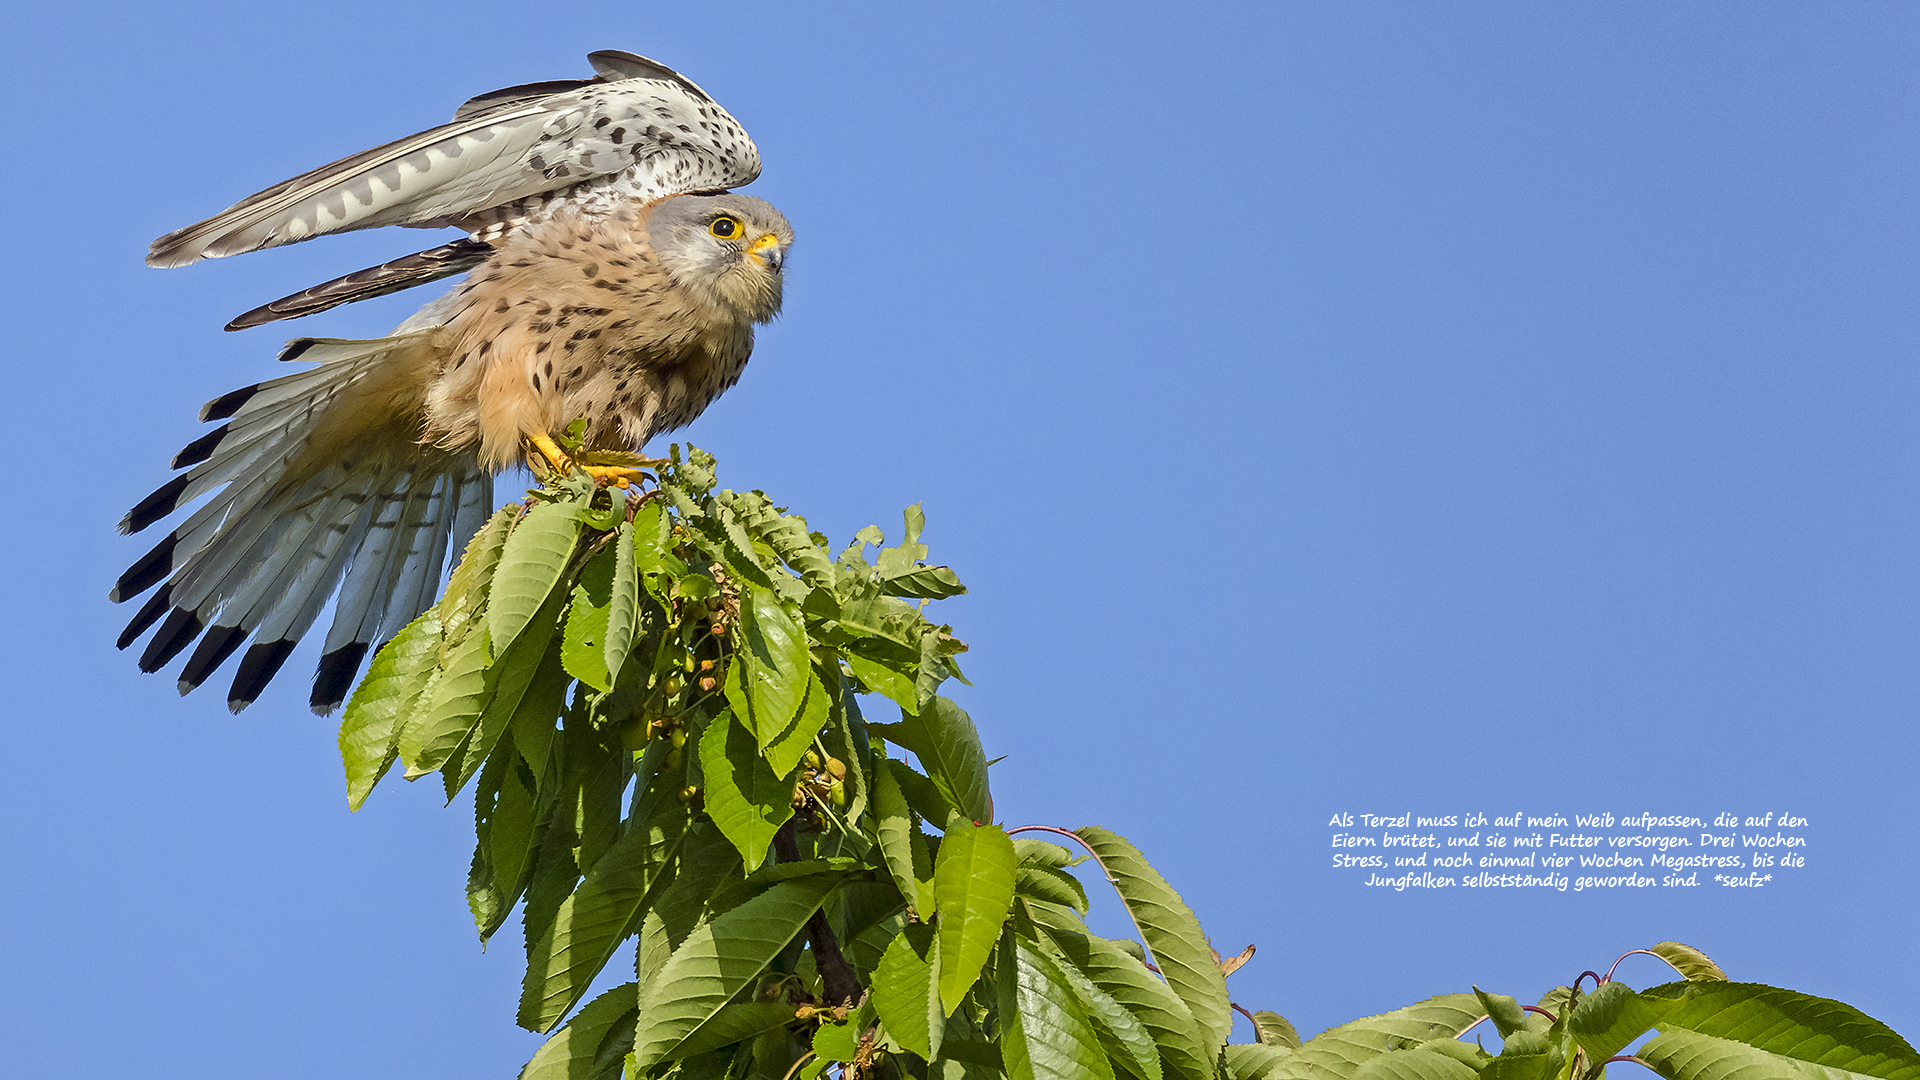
[551, 451]
[616, 475]
[620, 476]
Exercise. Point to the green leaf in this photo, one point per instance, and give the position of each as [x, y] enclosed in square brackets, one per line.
[1049, 915]
[786, 534]
[531, 564]
[1469, 1054]
[1418, 1063]
[903, 990]
[898, 560]
[1748, 1031]
[1170, 930]
[836, 1042]
[387, 695]
[451, 709]
[845, 737]
[904, 853]
[591, 922]
[768, 673]
[554, 876]
[1506, 1013]
[526, 675]
[1045, 853]
[744, 796]
[1274, 1029]
[1525, 1055]
[933, 668]
[1606, 1020]
[1337, 1053]
[717, 960]
[736, 1024]
[467, 588]
[505, 808]
[485, 897]
[948, 746]
[1126, 979]
[1052, 886]
[584, 648]
[785, 753]
[1688, 961]
[902, 689]
[707, 863]
[623, 603]
[973, 890]
[535, 738]
[1252, 1061]
[1125, 1039]
[651, 536]
[1044, 1032]
[593, 1044]
[923, 583]
[921, 794]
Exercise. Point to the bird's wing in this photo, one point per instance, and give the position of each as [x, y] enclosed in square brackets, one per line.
[389, 277]
[637, 120]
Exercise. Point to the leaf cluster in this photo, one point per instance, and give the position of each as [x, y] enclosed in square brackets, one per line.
[657, 699]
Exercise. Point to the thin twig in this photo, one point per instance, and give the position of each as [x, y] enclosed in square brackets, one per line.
[795, 1067]
[1630, 952]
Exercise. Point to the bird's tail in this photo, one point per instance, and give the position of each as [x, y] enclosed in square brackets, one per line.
[319, 484]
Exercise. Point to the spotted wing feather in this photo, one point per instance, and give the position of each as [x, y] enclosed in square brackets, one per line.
[638, 124]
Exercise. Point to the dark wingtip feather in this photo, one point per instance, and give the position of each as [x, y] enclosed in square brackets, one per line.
[155, 506]
[150, 613]
[335, 676]
[153, 567]
[181, 627]
[257, 669]
[296, 347]
[389, 277]
[259, 316]
[228, 403]
[201, 448]
[212, 651]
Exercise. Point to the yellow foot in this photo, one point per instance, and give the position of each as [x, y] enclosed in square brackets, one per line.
[550, 450]
[630, 470]
[617, 475]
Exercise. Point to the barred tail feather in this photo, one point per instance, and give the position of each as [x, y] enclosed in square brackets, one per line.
[356, 626]
[321, 488]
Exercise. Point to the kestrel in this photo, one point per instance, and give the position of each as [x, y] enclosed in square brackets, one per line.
[613, 277]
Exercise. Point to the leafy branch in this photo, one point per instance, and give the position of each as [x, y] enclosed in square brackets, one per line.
[656, 697]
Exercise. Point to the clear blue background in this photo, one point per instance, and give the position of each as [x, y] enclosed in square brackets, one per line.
[1365, 407]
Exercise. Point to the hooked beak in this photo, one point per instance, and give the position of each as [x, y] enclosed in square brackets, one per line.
[768, 250]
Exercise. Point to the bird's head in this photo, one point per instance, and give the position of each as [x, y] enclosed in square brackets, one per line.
[728, 250]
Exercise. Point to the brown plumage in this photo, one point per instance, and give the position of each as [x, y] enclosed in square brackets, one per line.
[604, 301]
[579, 317]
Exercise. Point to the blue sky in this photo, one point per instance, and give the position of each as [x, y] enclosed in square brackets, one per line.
[1340, 407]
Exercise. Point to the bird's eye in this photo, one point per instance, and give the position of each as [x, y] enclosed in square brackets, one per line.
[726, 228]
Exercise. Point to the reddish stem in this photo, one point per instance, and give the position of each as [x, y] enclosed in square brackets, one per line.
[1630, 952]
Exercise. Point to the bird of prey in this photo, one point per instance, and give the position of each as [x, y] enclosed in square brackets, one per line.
[612, 277]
